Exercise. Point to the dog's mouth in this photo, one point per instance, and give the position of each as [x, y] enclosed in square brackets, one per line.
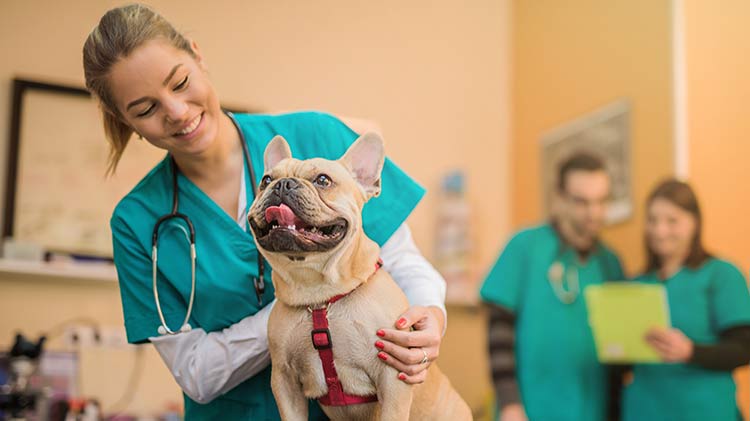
[283, 230]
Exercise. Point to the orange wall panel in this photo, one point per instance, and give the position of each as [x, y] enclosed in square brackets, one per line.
[718, 93]
[573, 57]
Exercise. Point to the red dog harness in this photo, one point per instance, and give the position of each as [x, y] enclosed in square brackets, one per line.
[321, 339]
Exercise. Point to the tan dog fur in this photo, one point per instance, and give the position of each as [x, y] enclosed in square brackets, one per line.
[303, 279]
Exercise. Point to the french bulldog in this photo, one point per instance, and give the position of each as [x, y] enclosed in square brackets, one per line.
[306, 221]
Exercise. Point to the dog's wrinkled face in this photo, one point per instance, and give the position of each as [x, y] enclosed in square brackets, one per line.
[294, 214]
[313, 205]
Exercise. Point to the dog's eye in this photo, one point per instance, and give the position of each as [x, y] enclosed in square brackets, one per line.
[323, 180]
[265, 181]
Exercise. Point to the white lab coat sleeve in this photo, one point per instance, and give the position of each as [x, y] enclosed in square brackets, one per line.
[207, 365]
[419, 280]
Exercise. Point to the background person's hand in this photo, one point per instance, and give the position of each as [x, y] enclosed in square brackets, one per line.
[513, 412]
[404, 349]
[671, 344]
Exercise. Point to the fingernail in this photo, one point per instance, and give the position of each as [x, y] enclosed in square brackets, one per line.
[401, 376]
[379, 345]
[401, 322]
[381, 333]
[382, 356]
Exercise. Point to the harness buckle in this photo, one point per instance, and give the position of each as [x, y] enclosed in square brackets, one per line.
[321, 339]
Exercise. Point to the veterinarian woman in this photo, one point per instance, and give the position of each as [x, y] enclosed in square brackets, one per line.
[710, 311]
[152, 81]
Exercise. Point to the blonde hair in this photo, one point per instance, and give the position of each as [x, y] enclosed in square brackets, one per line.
[120, 31]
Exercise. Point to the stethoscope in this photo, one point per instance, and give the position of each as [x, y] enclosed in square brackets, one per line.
[258, 281]
[563, 278]
[559, 275]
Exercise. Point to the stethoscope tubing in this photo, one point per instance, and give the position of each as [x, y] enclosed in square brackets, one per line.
[259, 282]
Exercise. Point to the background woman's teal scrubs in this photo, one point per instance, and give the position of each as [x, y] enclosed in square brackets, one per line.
[702, 303]
[556, 364]
[227, 259]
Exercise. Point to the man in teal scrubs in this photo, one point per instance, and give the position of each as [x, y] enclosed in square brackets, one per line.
[226, 252]
[543, 359]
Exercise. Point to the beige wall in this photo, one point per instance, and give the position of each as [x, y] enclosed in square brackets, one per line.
[573, 57]
[717, 64]
[433, 74]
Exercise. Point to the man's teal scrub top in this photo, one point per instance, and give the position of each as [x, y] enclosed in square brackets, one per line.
[703, 302]
[557, 369]
[227, 259]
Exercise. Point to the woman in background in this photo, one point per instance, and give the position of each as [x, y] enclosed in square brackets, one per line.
[710, 313]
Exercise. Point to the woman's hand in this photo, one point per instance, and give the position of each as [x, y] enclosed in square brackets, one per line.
[671, 344]
[411, 351]
[513, 412]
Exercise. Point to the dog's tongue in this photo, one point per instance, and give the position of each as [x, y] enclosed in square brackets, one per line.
[283, 214]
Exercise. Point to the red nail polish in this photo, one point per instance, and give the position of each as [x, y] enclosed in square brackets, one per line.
[401, 376]
[381, 333]
[401, 322]
[382, 356]
[379, 345]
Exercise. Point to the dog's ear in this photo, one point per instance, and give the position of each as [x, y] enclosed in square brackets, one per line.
[364, 160]
[276, 151]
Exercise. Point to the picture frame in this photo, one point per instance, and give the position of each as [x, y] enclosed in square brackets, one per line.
[58, 196]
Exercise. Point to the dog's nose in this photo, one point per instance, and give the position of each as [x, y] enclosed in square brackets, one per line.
[285, 185]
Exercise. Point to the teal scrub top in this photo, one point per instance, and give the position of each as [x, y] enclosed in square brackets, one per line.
[226, 254]
[703, 302]
[556, 365]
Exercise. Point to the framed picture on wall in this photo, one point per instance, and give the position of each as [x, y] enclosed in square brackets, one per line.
[604, 133]
[57, 195]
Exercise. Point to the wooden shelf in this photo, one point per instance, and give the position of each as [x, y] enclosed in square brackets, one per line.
[103, 272]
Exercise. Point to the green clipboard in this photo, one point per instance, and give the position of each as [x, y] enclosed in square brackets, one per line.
[620, 314]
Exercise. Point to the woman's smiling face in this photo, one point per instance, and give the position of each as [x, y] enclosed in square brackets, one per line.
[670, 230]
[164, 94]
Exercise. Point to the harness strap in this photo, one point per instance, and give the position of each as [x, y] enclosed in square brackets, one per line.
[321, 340]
